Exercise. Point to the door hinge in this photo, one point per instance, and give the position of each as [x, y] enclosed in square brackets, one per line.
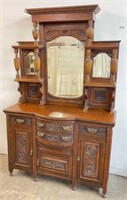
[78, 158]
[31, 152]
[38, 162]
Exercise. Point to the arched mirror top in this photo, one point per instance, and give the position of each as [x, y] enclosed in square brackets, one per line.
[101, 66]
[65, 67]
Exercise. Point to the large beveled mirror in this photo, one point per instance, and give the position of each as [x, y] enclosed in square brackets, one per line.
[101, 66]
[65, 66]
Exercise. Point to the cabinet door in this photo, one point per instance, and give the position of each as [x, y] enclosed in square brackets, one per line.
[20, 143]
[91, 160]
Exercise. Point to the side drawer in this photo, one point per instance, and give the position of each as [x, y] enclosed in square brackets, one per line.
[92, 129]
[21, 120]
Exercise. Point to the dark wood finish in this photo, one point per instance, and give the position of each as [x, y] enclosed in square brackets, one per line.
[65, 138]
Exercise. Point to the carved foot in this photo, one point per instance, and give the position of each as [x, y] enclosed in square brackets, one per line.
[102, 192]
[74, 186]
[11, 173]
[35, 178]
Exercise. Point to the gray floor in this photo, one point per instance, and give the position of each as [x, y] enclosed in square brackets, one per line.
[22, 187]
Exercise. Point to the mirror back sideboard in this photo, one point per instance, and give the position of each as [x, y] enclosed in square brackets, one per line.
[62, 123]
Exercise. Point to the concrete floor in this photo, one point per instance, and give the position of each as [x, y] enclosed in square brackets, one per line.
[22, 187]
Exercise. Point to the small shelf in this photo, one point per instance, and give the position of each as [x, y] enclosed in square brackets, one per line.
[29, 80]
[100, 84]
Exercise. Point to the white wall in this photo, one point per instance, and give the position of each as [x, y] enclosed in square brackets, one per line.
[110, 25]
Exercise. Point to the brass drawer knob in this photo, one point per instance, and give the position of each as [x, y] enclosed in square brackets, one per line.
[66, 138]
[40, 134]
[92, 130]
[39, 124]
[68, 128]
[20, 121]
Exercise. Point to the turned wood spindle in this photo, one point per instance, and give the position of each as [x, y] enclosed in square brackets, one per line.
[114, 64]
[37, 62]
[88, 65]
[90, 32]
[17, 63]
[35, 31]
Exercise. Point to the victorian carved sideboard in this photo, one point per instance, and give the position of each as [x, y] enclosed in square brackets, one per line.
[62, 123]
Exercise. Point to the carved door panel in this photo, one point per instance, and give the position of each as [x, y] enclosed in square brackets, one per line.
[20, 142]
[91, 160]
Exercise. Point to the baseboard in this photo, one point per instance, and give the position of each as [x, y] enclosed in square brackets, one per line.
[117, 171]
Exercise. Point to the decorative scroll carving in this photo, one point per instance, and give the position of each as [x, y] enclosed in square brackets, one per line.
[55, 138]
[54, 164]
[77, 33]
[21, 148]
[90, 159]
[100, 96]
[21, 89]
[99, 131]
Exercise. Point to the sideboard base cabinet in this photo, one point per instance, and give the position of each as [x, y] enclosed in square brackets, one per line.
[73, 147]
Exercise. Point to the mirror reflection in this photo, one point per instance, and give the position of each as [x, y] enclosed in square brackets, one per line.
[65, 64]
[101, 66]
[29, 63]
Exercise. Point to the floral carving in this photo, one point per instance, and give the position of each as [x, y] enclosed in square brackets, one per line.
[91, 152]
[54, 164]
[21, 147]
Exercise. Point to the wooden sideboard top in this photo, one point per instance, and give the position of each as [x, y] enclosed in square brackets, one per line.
[63, 113]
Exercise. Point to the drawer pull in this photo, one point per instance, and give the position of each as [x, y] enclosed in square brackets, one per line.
[68, 128]
[39, 124]
[92, 130]
[40, 134]
[20, 121]
[66, 138]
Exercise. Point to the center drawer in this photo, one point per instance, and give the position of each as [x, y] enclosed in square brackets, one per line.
[55, 134]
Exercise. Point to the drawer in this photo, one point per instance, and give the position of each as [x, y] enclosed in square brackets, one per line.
[21, 120]
[55, 126]
[92, 129]
[54, 165]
